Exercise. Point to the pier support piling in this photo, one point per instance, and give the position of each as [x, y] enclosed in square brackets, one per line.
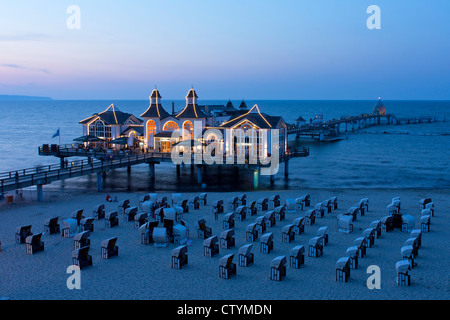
[152, 171]
[286, 168]
[99, 181]
[62, 162]
[256, 179]
[219, 172]
[40, 193]
[199, 174]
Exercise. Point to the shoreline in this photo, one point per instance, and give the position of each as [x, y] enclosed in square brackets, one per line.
[53, 196]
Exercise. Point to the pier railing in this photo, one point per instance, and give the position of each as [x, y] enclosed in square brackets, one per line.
[328, 127]
[41, 175]
[73, 150]
[17, 179]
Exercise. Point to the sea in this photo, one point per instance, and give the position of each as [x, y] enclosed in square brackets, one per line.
[410, 156]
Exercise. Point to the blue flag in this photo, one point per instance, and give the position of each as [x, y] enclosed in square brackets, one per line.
[56, 134]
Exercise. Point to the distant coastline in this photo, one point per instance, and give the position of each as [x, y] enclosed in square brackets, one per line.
[21, 98]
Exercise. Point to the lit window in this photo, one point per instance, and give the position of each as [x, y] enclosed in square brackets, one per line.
[98, 129]
[189, 128]
[151, 127]
[170, 126]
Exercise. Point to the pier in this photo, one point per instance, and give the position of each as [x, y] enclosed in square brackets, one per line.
[331, 130]
[100, 162]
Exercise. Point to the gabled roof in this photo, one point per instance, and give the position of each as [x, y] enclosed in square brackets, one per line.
[169, 118]
[111, 116]
[243, 105]
[262, 120]
[138, 128]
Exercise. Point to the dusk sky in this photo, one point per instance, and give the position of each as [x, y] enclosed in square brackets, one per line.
[252, 49]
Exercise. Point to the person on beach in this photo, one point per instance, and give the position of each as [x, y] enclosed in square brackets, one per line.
[108, 198]
[19, 194]
[115, 199]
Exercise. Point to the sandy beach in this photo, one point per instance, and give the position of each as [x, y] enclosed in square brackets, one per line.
[144, 271]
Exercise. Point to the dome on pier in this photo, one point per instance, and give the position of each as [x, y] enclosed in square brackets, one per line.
[379, 108]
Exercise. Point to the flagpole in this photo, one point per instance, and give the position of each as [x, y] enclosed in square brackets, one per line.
[59, 131]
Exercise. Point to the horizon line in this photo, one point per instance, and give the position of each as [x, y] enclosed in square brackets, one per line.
[225, 99]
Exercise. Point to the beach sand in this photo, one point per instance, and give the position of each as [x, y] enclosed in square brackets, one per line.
[144, 271]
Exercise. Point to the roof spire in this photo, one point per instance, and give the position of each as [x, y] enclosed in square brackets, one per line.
[190, 111]
[155, 109]
[243, 105]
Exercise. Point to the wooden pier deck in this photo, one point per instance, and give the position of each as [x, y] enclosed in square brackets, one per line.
[330, 130]
[100, 162]
[329, 127]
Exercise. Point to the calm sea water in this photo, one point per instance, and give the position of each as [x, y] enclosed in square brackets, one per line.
[387, 156]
